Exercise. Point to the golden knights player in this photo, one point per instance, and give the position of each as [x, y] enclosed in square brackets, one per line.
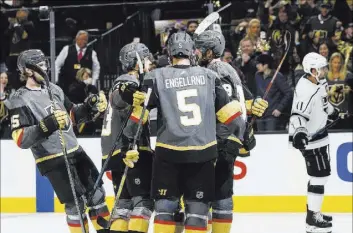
[135, 206]
[310, 112]
[190, 100]
[210, 45]
[35, 127]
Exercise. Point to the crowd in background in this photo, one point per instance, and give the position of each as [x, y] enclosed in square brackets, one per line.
[271, 33]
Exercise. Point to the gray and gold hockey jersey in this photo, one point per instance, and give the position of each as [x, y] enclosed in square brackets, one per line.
[114, 117]
[190, 101]
[232, 84]
[28, 107]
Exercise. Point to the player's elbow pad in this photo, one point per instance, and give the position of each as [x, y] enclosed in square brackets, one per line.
[229, 112]
[17, 136]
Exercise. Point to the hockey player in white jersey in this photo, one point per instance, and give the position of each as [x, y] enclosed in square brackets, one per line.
[310, 112]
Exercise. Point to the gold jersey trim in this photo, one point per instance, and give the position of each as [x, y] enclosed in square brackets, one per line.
[185, 148]
[145, 148]
[48, 157]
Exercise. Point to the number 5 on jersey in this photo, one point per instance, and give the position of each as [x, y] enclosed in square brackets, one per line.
[184, 107]
[15, 121]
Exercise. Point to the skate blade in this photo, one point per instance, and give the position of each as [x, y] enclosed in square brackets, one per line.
[313, 229]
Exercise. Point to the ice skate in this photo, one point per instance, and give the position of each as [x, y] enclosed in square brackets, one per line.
[315, 223]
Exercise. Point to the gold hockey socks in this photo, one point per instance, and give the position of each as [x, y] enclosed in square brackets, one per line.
[94, 212]
[138, 224]
[73, 222]
[119, 226]
[221, 225]
[161, 226]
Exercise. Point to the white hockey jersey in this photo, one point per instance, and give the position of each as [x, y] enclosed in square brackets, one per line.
[310, 110]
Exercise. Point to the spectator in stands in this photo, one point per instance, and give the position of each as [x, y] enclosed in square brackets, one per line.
[338, 79]
[324, 50]
[191, 27]
[5, 92]
[19, 31]
[74, 57]
[253, 33]
[347, 35]
[279, 97]
[280, 32]
[320, 27]
[82, 87]
[227, 56]
[247, 63]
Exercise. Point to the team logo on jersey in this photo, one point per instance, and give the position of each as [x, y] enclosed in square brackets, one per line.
[338, 97]
[321, 34]
[49, 111]
[277, 37]
[199, 194]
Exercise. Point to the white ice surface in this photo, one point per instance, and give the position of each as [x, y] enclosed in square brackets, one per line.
[242, 223]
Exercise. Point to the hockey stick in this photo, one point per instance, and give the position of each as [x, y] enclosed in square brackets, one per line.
[105, 165]
[329, 125]
[287, 43]
[100, 220]
[62, 142]
[206, 22]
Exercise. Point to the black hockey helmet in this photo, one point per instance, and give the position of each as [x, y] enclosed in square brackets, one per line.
[127, 55]
[180, 44]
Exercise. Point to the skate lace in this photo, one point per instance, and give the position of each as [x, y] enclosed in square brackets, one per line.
[319, 217]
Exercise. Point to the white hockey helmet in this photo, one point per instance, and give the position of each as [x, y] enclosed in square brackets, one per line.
[314, 61]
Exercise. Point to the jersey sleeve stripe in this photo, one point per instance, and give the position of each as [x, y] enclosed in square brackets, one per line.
[229, 112]
[17, 136]
[297, 114]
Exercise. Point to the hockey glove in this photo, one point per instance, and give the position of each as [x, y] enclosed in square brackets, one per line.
[57, 120]
[127, 90]
[131, 157]
[249, 138]
[300, 138]
[138, 98]
[102, 103]
[334, 115]
[136, 114]
[256, 107]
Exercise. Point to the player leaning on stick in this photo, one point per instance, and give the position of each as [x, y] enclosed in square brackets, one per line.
[135, 206]
[310, 112]
[36, 127]
[190, 100]
[210, 46]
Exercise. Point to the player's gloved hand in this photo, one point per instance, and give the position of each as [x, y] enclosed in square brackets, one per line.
[126, 90]
[334, 115]
[131, 157]
[300, 138]
[138, 98]
[249, 139]
[256, 107]
[102, 103]
[57, 120]
[137, 112]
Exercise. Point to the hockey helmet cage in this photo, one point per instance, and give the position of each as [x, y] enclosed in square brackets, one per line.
[31, 56]
[211, 40]
[180, 44]
[314, 61]
[127, 55]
